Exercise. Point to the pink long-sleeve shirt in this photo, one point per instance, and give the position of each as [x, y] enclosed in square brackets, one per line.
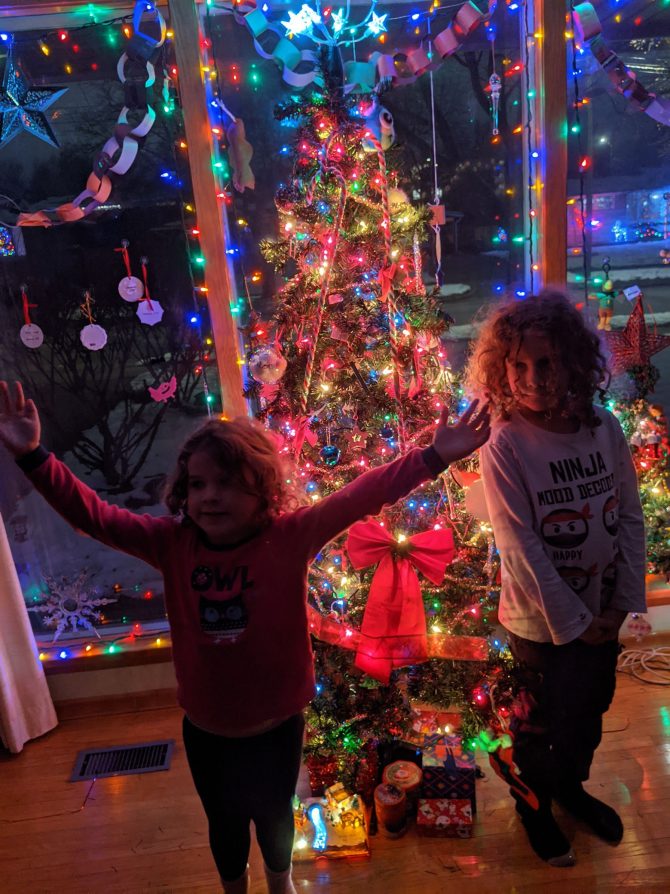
[238, 618]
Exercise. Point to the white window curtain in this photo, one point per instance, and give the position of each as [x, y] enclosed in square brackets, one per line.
[26, 709]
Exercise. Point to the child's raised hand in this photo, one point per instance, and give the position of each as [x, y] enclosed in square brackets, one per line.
[19, 421]
[454, 442]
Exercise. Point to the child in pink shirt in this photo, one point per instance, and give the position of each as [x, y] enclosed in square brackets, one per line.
[234, 563]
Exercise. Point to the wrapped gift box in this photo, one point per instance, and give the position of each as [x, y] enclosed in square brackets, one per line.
[444, 817]
[447, 751]
[450, 782]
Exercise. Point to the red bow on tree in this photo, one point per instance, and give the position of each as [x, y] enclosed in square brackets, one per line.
[393, 632]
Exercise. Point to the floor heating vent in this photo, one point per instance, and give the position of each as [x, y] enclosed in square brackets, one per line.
[122, 760]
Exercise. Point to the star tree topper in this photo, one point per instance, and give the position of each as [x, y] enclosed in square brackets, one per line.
[635, 345]
[22, 108]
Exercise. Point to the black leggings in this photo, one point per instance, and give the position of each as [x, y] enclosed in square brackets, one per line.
[240, 780]
[558, 724]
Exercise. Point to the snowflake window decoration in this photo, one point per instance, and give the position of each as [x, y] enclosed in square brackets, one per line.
[69, 603]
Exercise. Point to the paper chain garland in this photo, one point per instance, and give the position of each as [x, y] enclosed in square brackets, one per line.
[589, 32]
[362, 77]
[137, 74]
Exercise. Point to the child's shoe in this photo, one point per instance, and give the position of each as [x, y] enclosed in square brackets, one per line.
[600, 817]
[280, 882]
[239, 885]
[545, 837]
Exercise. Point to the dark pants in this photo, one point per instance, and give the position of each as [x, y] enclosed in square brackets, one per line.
[557, 723]
[240, 780]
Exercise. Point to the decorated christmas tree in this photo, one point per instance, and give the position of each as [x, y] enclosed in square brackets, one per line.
[351, 372]
[645, 426]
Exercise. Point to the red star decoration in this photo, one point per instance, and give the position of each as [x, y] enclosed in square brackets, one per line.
[635, 345]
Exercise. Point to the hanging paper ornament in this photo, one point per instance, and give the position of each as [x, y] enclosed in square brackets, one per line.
[149, 310]
[330, 454]
[130, 287]
[267, 365]
[31, 335]
[92, 336]
[165, 390]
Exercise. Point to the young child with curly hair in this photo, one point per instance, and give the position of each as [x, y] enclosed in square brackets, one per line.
[563, 500]
[234, 563]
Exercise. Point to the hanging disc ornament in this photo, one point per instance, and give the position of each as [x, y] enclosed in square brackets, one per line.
[31, 335]
[267, 365]
[149, 312]
[330, 454]
[131, 288]
[93, 337]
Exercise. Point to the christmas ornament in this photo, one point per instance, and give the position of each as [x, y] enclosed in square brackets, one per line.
[149, 310]
[22, 108]
[165, 390]
[69, 603]
[495, 83]
[92, 336]
[330, 454]
[130, 287]
[267, 365]
[240, 150]
[31, 335]
[386, 432]
[635, 345]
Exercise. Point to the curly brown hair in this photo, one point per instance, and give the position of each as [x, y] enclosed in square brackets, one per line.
[248, 454]
[577, 346]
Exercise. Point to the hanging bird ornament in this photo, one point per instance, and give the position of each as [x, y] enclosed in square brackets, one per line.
[22, 109]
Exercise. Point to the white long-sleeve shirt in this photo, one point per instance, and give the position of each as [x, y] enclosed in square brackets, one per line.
[568, 524]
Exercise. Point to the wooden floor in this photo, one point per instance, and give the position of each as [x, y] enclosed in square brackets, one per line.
[147, 832]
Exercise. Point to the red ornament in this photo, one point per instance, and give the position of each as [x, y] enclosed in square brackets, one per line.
[635, 345]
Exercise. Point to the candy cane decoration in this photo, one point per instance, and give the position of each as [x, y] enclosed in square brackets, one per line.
[309, 368]
[390, 301]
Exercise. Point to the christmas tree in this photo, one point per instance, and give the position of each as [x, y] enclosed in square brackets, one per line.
[351, 373]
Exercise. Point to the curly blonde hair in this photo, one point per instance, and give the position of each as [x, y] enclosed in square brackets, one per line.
[577, 346]
[248, 455]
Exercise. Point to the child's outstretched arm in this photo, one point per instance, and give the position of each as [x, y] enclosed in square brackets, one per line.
[385, 485]
[142, 536]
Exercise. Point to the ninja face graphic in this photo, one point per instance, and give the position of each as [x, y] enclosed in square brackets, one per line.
[225, 618]
[611, 514]
[576, 578]
[566, 528]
